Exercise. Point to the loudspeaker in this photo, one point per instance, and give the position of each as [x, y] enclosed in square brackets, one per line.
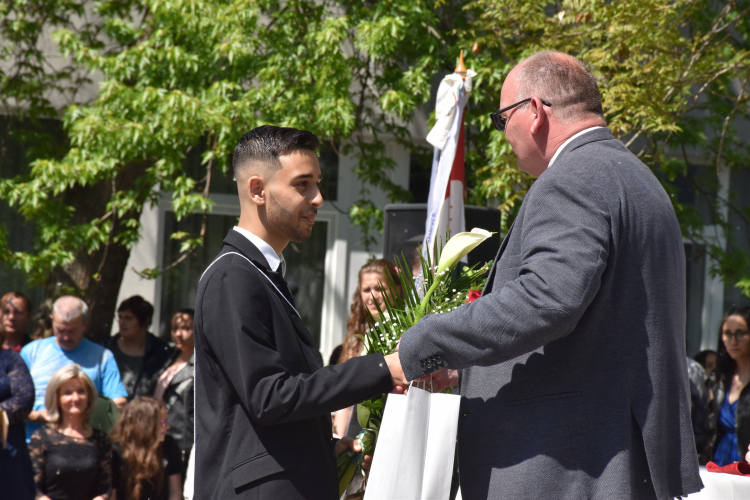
[404, 230]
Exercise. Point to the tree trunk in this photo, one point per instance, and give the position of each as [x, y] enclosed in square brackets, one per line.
[96, 276]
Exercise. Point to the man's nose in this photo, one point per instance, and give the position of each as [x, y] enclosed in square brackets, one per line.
[317, 200]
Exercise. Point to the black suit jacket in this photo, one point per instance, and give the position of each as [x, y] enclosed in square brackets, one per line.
[155, 354]
[263, 399]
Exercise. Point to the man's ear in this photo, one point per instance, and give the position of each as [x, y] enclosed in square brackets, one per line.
[536, 108]
[257, 189]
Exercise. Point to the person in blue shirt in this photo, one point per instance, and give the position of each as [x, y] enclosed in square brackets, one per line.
[733, 393]
[70, 320]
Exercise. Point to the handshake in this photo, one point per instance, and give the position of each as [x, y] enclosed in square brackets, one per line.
[435, 382]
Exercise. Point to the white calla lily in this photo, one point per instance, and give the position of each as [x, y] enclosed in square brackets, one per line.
[455, 250]
[460, 245]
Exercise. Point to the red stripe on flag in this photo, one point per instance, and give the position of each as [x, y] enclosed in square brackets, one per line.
[458, 171]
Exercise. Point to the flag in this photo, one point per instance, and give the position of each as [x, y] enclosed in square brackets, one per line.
[445, 204]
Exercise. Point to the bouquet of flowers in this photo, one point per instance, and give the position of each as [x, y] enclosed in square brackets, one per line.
[439, 291]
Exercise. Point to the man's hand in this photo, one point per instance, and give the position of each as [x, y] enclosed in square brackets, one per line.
[39, 417]
[397, 374]
[442, 379]
[347, 443]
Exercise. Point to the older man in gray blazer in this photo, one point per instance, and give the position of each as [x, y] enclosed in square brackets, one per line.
[572, 363]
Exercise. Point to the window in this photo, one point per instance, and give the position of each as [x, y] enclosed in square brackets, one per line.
[695, 274]
[329, 167]
[305, 267]
[20, 144]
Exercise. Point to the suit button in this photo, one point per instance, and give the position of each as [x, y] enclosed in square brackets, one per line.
[429, 364]
[439, 360]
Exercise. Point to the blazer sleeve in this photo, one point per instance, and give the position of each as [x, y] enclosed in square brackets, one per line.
[238, 323]
[565, 246]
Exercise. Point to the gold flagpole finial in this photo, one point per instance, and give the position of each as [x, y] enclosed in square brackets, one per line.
[461, 68]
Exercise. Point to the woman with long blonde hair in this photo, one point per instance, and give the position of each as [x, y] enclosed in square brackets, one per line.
[72, 461]
[368, 297]
[146, 461]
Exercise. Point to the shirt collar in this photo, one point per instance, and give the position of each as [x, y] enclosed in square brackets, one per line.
[274, 260]
[569, 141]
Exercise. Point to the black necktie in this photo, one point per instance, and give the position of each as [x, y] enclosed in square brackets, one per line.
[278, 280]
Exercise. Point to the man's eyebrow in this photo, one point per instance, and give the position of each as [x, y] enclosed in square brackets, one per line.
[305, 176]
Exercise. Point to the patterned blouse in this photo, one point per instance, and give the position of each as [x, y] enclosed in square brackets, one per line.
[67, 468]
[16, 387]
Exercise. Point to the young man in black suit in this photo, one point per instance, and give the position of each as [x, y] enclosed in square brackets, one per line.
[263, 399]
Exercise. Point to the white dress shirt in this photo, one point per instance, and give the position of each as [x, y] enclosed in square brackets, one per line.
[274, 260]
[568, 142]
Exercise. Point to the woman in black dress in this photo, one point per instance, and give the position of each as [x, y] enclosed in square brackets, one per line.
[71, 460]
[16, 400]
[147, 462]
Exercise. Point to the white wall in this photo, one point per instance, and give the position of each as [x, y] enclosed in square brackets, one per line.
[143, 255]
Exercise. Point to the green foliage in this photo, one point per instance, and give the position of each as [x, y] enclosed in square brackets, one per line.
[674, 80]
[181, 73]
[184, 74]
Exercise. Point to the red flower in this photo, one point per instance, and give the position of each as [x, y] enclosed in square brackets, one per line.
[473, 295]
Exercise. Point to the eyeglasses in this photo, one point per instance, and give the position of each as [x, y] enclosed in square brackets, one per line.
[499, 121]
[739, 335]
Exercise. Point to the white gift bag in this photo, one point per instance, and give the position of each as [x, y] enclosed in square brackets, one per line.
[416, 443]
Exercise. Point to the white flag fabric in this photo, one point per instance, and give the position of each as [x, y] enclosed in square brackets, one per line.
[445, 204]
[416, 444]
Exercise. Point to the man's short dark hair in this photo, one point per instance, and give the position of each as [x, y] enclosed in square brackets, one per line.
[139, 307]
[266, 143]
[564, 81]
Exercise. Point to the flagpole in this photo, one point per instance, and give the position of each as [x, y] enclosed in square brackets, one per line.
[445, 204]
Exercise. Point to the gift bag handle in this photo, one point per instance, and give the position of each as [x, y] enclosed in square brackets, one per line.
[424, 384]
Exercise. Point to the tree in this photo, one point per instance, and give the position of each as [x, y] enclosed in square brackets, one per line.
[185, 74]
[181, 76]
[674, 78]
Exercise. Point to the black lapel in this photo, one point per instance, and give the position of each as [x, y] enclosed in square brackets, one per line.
[307, 344]
[280, 283]
[181, 375]
[247, 249]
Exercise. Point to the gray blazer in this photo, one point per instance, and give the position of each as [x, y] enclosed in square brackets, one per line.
[572, 363]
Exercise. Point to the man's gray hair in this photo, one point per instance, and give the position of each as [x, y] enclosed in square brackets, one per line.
[562, 80]
[68, 308]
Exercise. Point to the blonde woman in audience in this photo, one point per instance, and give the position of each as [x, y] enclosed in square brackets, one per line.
[71, 460]
[367, 297]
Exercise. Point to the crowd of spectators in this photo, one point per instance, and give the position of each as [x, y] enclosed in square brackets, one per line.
[89, 421]
[116, 421]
